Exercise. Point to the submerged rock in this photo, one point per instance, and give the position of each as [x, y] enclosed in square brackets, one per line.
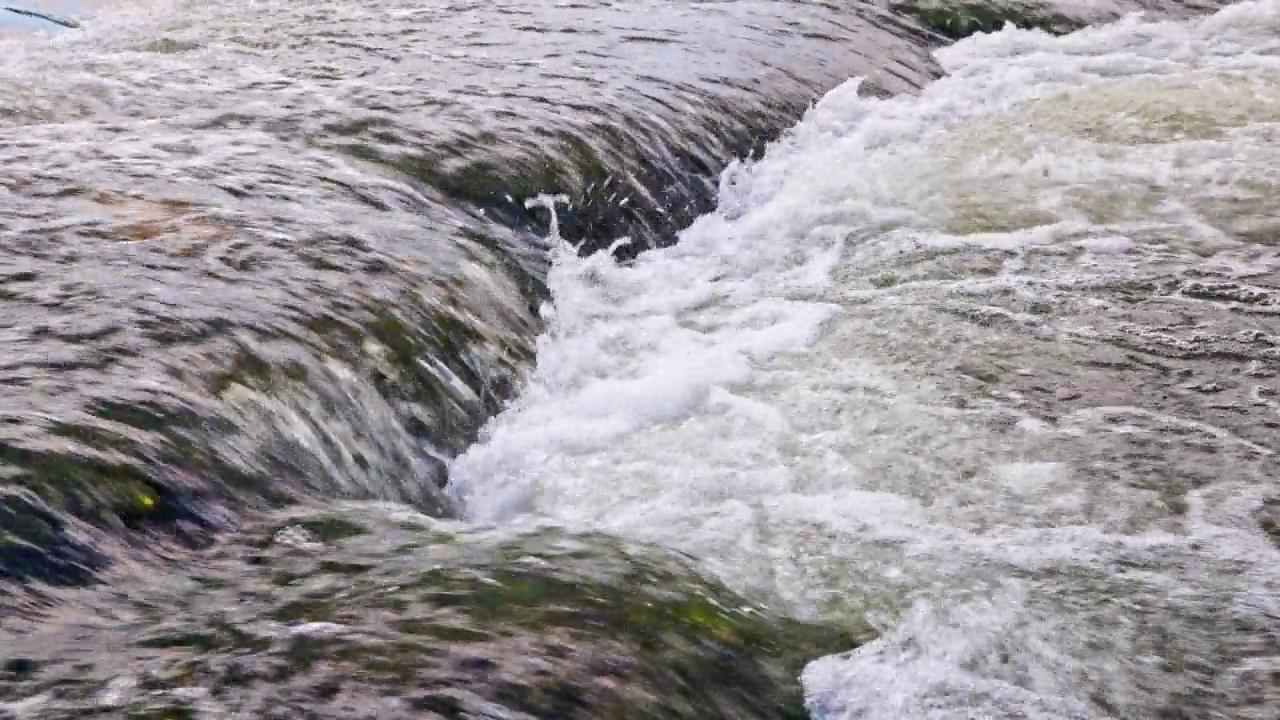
[957, 19]
[377, 614]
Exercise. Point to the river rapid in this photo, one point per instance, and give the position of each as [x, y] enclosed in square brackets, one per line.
[964, 353]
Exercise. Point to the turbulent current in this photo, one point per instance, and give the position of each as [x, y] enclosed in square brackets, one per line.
[592, 360]
[258, 251]
[993, 366]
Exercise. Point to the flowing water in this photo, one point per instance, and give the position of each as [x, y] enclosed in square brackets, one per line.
[989, 368]
[994, 365]
[260, 251]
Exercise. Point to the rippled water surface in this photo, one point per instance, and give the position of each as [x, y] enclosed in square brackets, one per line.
[982, 365]
[262, 251]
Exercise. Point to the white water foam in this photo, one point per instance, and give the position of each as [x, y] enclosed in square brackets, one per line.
[783, 394]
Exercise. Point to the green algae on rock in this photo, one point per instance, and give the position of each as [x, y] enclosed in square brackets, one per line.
[370, 612]
[958, 20]
[141, 431]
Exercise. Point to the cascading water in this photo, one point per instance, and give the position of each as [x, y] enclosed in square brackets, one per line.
[976, 384]
[993, 367]
[258, 252]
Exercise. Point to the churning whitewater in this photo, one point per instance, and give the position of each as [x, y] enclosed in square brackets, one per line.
[256, 252]
[985, 367]
[992, 368]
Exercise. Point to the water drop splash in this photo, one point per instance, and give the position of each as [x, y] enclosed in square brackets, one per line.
[549, 203]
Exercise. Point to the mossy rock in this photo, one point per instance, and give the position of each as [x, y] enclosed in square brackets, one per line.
[169, 46]
[142, 474]
[413, 618]
[1268, 515]
[959, 20]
